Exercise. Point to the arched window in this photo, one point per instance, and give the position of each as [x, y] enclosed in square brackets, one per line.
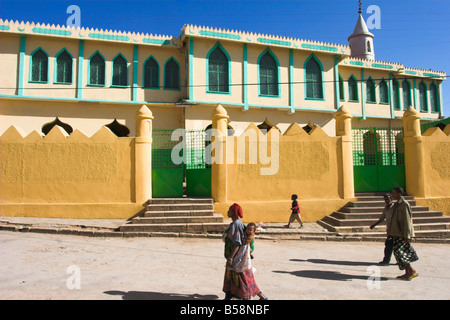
[313, 70]
[434, 97]
[171, 75]
[406, 87]
[396, 94]
[120, 71]
[352, 89]
[151, 74]
[423, 97]
[39, 66]
[97, 70]
[64, 67]
[370, 90]
[218, 73]
[369, 49]
[384, 92]
[341, 89]
[268, 75]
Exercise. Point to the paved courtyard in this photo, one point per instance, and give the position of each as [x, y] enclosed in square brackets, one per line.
[48, 266]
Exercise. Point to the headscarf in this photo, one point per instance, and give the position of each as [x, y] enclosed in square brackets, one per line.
[236, 211]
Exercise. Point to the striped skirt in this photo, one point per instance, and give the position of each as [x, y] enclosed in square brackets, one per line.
[404, 252]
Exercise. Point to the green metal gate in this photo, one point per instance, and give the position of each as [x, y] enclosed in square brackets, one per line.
[378, 159]
[168, 177]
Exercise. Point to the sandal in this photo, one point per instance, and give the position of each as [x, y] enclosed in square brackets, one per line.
[413, 276]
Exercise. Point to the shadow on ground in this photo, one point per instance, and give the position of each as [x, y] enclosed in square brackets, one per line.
[148, 295]
[327, 275]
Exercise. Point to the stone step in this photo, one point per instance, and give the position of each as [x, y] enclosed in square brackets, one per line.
[379, 198]
[367, 222]
[373, 204]
[177, 219]
[178, 213]
[180, 207]
[376, 215]
[376, 209]
[181, 200]
[207, 227]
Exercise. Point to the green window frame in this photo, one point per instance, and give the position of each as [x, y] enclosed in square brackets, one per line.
[218, 70]
[384, 92]
[64, 67]
[313, 78]
[396, 94]
[406, 89]
[423, 99]
[353, 94]
[370, 91]
[268, 74]
[39, 66]
[151, 73]
[119, 71]
[171, 75]
[97, 70]
[341, 89]
[434, 97]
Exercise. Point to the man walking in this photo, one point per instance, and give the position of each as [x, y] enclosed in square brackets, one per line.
[389, 243]
[401, 230]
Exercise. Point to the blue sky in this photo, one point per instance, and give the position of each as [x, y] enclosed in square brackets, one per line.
[413, 32]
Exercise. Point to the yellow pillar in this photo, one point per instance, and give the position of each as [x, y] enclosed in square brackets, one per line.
[219, 166]
[414, 157]
[143, 155]
[344, 130]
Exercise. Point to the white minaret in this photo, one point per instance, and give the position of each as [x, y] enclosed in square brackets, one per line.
[361, 40]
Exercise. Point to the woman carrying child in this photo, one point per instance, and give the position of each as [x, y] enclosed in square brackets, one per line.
[239, 281]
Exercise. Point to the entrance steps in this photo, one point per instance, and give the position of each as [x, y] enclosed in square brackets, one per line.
[190, 215]
[356, 217]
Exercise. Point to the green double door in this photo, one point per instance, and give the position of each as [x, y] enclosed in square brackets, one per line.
[378, 159]
[178, 163]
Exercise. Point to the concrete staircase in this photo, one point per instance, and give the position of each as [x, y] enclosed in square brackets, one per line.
[356, 217]
[178, 215]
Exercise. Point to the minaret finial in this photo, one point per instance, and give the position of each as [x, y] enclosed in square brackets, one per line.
[360, 3]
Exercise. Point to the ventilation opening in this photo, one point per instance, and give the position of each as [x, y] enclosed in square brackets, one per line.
[118, 129]
[266, 126]
[46, 128]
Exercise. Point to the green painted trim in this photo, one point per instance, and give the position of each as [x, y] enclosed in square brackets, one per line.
[191, 68]
[80, 69]
[312, 56]
[363, 97]
[55, 71]
[51, 31]
[316, 47]
[108, 37]
[291, 79]
[387, 92]
[158, 76]
[4, 27]
[438, 98]
[398, 94]
[343, 89]
[383, 66]
[410, 72]
[245, 76]
[278, 96]
[218, 45]
[30, 69]
[432, 75]
[89, 70]
[179, 75]
[273, 41]
[414, 94]
[219, 34]
[357, 63]
[374, 90]
[391, 95]
[20, 81]
[135, 71]
[336, 81]
[156, 41]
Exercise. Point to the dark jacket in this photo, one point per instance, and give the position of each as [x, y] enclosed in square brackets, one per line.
[401, 223]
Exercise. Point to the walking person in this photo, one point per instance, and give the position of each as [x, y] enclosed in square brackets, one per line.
[239, 281]
[389, 243]
[401, 230]
[295, 214]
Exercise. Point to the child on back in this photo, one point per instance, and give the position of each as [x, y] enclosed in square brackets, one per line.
[295, 215]
[250, 236]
